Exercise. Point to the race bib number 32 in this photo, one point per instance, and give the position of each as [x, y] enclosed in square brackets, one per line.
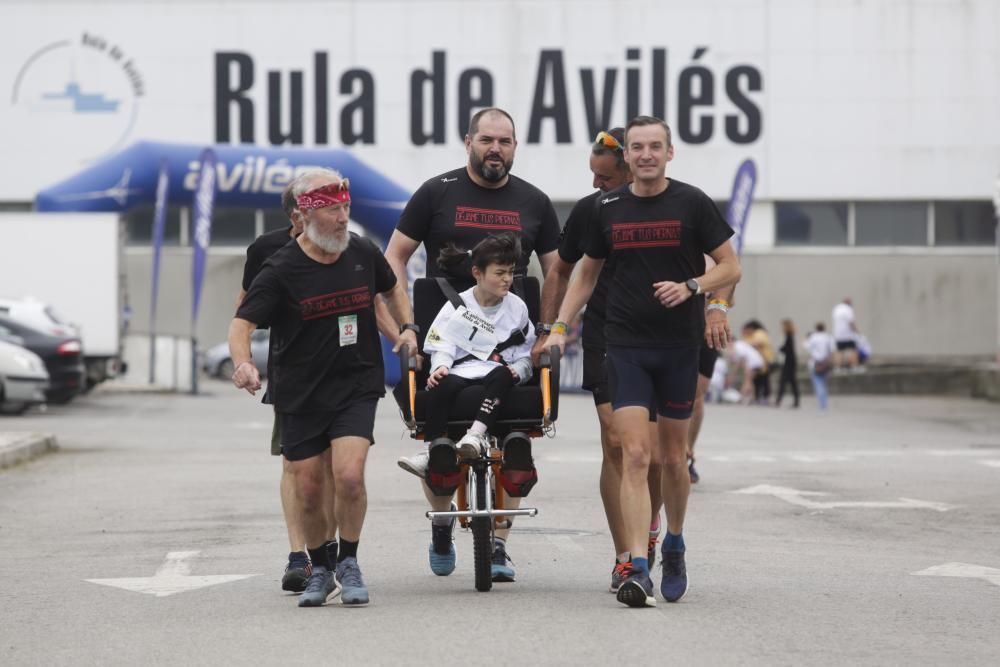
[348, 325]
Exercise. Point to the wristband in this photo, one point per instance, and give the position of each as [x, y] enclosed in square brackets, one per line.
[721, 302]
[409, 326]
[542, 328]
[559, 328]
[717, 306]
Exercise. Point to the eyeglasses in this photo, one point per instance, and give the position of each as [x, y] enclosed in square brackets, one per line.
[608, 140]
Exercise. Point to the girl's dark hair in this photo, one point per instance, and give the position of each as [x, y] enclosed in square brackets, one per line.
[503, 249]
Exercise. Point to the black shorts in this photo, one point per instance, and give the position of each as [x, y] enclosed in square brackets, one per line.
[304, 436]
[846, 345]
[706, 360]
[663, 380]
[595, 375]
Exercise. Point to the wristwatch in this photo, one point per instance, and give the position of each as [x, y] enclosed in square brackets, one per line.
[409, 326]
[693, 285]
[541, 328]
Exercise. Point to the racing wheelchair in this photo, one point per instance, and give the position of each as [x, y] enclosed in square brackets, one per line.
[486, 481]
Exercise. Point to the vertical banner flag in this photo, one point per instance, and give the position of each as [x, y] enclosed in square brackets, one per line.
[739, 203]
[204, 197]
[159, 221]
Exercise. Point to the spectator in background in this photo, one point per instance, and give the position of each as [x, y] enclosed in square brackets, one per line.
[789, 366]
[821, 348]
[845, 334]
[745, 357]
[755, 334]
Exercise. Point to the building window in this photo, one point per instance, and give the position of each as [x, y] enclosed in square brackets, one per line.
[233, 226]
[964, 223]
[811, 223]
[891, 223]
[139, 225]
[275, 218]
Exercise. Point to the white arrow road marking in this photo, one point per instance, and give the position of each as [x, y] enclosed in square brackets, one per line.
[797, 497]
[966, 570]
[174, 576]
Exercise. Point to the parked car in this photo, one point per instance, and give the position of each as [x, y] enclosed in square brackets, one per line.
[63, 357]
[216, 362]
[37, 315]
[23, 378]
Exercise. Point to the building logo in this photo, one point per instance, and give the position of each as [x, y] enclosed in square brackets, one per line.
[78, 97]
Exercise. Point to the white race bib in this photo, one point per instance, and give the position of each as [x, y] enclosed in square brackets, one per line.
[348, 325]
[470, 331]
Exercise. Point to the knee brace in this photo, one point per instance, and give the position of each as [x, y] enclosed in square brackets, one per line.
[443, 474]
[517, 472]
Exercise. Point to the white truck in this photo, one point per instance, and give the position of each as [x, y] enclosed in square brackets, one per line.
[68, 264]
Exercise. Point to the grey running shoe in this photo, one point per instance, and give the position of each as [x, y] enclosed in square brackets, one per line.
[416, 464]
[354, 593]
[320, 588]
[674, 584]
[500, 570]
[442, 549]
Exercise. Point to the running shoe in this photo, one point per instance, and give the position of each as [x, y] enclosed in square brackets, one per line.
[618, 574]
[354, 593]
[692, 473]
[442, 549]
[297, 572]
[654, 536]
[674, 583]
[416, 464]
[501, 571]
[320, 589]
[473, 445]
[637, 590]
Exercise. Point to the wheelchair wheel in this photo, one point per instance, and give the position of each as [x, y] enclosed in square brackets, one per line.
[482, 538]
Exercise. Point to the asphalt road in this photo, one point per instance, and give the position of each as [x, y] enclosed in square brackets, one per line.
[779, 574]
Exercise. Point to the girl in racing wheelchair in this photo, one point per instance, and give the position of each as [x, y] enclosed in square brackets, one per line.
[484, 340]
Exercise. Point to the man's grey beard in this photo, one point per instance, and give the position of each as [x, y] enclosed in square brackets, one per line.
[329, 243]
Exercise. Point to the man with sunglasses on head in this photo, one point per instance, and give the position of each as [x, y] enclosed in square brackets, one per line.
[463, 207]
[607, 163]
[658, 230]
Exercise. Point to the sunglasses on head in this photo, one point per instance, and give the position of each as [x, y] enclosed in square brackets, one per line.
[607, 140]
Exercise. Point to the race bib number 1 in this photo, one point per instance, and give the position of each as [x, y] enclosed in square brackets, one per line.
[348, 325]
[470, 331]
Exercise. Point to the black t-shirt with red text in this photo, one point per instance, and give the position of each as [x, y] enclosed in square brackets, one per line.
[572, 245]
[324, 340]
[263, 247]
[452, 208]
[663, 237]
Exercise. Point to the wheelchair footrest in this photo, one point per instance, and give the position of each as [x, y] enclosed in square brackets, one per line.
[467, 514]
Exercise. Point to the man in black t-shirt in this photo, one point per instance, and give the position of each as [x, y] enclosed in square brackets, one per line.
[464, 206]
[299, 567]
[659, 231]
[318, 296]
[607, 163]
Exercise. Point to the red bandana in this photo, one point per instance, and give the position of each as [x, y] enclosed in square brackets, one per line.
[328, 195]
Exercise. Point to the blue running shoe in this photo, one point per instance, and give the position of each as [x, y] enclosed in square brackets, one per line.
[501, 571]
[441, 552]
[354, 593]
[320, 588]
[674, 583]
[637, 590]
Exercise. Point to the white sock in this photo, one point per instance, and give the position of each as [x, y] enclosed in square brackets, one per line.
[624, 556]
[478, 427]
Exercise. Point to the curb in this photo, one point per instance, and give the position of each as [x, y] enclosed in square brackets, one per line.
[17, 448]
